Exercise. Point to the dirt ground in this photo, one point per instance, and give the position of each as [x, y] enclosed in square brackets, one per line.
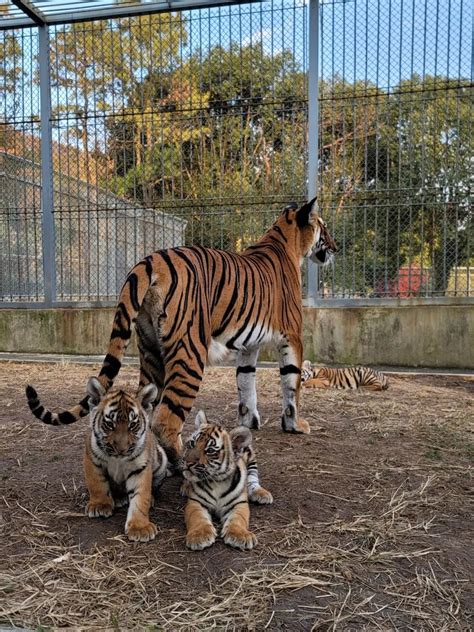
[371, 528]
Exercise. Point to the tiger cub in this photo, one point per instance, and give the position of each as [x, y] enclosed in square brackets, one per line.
[123, 463]
[220, 476]
[348, 377]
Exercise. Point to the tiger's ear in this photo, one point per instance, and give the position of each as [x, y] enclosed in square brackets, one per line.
[240, 437]
[307, 213]
[306, 365]
[95, 390]
[200, 420]
[147, 395]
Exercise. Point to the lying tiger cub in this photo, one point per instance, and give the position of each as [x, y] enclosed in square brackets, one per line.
[220, 476]
[348, 377]
[123, 463]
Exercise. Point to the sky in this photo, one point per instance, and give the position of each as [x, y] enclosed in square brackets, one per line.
[382, 41]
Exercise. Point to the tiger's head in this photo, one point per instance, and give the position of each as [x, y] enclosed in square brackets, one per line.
[307, 232]
[210, 453]
[307, 371]
[119, 419]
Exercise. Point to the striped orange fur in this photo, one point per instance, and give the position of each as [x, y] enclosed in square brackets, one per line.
[193, 305]
[351, 377]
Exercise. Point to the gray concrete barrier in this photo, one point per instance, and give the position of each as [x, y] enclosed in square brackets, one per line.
[411, 335]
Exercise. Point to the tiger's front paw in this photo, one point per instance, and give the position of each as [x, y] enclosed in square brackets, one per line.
[201, 537]
[299, 426]
[302, 427]
[239, 538]
[141, 532]
[261, 496]
[96, 509]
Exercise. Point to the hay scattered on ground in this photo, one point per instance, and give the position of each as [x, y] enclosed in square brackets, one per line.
[370, 529]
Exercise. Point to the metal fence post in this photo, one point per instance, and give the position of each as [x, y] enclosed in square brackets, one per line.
[47, 202]
[313, 132]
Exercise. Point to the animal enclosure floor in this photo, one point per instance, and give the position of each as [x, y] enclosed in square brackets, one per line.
[371, 528]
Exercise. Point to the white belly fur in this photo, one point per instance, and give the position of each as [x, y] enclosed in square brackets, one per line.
[218, 352]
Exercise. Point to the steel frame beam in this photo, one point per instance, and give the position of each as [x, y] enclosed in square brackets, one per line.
[36, 18]
[31, 11]
[47, 201]
[313, 129]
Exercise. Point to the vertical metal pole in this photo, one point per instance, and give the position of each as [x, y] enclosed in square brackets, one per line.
[47, 216]
[313, 132]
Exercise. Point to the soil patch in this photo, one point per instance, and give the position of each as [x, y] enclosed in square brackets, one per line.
[371, 526]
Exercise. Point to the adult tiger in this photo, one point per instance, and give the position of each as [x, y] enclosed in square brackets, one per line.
[193, 305]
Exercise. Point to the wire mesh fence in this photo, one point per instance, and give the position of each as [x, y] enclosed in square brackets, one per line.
[191, 128]
[396, 147]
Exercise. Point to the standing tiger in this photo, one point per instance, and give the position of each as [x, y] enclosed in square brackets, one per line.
[123, 462]
[220, 477]
[350, 377]
[191, 306]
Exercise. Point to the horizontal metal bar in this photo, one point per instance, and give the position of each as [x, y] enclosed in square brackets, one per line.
[388, 302]
[68, 17]
[31, 11]
[7, 24]
[58, 305]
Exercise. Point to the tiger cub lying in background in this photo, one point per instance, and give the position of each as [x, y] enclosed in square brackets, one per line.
[123, 463]
[348, 377]
[220, 476]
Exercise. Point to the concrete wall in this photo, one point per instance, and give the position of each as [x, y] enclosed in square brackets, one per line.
[410, 334]
[417, 335]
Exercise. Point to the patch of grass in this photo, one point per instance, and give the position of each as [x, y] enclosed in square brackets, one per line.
[434, 454]
[56, 457]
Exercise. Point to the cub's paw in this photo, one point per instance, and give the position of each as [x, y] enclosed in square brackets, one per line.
[184, 489]
[99, 510]
[261, 496]
[240, 539]
[141, 533]
[201, 537]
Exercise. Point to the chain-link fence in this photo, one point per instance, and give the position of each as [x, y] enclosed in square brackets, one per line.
[396, 147]
[191, 127]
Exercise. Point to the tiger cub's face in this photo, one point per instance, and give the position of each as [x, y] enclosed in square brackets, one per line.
[119, 419]
[210, 452]
[307, 371]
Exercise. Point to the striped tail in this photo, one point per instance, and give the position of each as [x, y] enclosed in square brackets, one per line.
[55, 419]
[132, 294]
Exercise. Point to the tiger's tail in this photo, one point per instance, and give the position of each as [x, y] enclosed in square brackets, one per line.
[132, 294]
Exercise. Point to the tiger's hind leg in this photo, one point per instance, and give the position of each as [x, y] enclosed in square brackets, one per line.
[101, 504]
[290, 349]
[182, 381]
[246, 365]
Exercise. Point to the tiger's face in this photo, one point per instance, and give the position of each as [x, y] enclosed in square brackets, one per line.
[308, 232]
[323, 248]
[119, 419]
[210, 453]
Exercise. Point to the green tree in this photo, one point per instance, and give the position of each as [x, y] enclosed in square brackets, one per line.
[225, 128]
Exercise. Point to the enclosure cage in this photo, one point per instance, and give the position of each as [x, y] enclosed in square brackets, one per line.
[129, 126]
